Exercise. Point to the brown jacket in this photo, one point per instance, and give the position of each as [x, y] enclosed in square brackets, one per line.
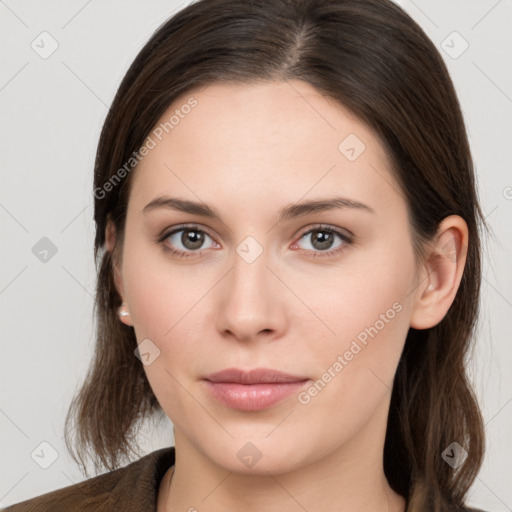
[133, 488]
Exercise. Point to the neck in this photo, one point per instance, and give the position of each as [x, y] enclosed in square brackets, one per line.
[352, 475]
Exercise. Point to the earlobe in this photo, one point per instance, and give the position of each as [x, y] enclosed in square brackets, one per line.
[444, 266]
[124, 314]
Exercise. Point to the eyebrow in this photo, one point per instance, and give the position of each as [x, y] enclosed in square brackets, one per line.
[288, 212]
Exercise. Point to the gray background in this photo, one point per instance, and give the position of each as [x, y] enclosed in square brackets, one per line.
[51, 114]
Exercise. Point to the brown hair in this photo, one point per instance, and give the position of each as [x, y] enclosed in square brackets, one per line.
[370, 56]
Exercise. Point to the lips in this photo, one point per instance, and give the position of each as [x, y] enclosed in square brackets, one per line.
[252, 390]
[257, 376]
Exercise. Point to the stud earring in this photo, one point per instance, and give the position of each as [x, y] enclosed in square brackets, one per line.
[122, 311]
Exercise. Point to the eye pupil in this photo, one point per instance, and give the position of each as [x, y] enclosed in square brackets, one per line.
[192, 239]
[324, 238]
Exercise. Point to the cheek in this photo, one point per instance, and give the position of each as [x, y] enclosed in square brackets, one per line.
[368, 308]
[371, 289]
[166, 308]
[159, 291]
[165, 311]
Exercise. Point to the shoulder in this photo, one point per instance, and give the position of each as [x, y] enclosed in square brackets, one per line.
[132, 487]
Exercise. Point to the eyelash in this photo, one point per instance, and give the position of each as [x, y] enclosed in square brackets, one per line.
[316, 254]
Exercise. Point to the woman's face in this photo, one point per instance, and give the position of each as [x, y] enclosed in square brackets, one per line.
[257, 287]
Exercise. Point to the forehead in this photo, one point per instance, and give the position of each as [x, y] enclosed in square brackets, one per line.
[261, 140]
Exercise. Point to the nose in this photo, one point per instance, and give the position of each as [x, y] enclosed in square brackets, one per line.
[251, 300]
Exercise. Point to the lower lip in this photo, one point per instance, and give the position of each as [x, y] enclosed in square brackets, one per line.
[252, 397]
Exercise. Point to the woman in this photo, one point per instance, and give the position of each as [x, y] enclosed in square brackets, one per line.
[289, 269]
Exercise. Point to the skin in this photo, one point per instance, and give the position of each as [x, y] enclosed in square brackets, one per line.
[248, 151]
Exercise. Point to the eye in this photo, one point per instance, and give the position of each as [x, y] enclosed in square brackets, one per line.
[185, 241]
[188, 240]
[323, 239]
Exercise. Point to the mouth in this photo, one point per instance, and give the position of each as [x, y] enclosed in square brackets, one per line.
[252, 390]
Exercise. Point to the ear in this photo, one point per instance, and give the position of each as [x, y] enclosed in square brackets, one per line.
[442, 273]
[110, 245]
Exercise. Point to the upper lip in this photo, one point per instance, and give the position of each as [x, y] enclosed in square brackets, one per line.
[256, 376]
